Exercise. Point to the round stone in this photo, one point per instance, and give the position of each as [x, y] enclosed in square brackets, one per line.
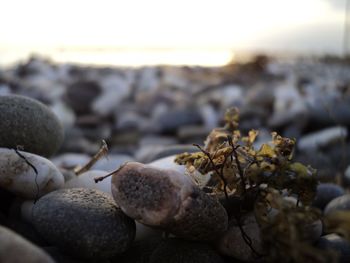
[168, 200]
[83, 222]
[28, 175]
[30, 125]
[14, 248]
[335, 243]
[81, 94]
[326, 192]
[233, 244]
[175, 250]
[340, 203]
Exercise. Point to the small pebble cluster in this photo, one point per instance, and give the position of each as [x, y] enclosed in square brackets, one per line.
[55, 116]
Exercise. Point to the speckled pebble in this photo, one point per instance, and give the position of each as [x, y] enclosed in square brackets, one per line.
[83, 222]
[29, 124]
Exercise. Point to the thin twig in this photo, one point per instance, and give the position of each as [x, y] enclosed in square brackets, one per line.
[101, 178]
[101, 152]
[240, 171]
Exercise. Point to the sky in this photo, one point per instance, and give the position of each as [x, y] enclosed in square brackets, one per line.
[212, 27]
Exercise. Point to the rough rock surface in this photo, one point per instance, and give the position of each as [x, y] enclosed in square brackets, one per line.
[84, 222]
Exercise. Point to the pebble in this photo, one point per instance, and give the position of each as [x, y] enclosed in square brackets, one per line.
[329, 111]
[70, 160]
[347, 174]
[175, 250]
[338, 204]
[192, 134]
[312, 231]
[172, 120]
[65, 114]
[326, 192]
[319, 161]
[81, 94]
[168, 200]
[115, 89]
[337, 244]
[322, 138]
[111, 162]
[232, 243]
[30, 125]
[168, 163]
[86, 180]
[14, 248]
[18, 177]
[155, 153]
[85, 223]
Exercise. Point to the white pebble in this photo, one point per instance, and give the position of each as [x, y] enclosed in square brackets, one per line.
[20, 178]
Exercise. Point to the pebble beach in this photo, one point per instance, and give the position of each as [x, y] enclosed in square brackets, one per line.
[55, 117]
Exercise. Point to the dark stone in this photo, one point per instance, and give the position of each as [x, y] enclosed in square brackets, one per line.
[337, 244]
[3, 220]
[319, 161]
[330, 112]
[27, 231]
[59, 256]
[325, 193]
[169, 122]
[14, 248]
[139, 252]
[29, 124]
[168, 150]
[340, 203]
[81, 94]
[85, 223]
[175, 250]
[6, 200]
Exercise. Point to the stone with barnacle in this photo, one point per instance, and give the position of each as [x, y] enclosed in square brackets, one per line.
[168, 200]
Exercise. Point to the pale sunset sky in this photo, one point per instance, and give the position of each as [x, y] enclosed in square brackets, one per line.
[138, 32]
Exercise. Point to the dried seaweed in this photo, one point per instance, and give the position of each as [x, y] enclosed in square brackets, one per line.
[241, 171]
